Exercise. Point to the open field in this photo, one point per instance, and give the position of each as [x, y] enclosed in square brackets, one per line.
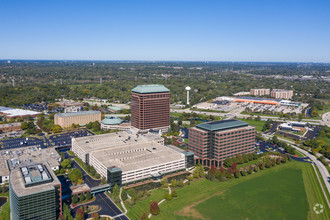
[257, 198]
[292, 188]
[258, 124]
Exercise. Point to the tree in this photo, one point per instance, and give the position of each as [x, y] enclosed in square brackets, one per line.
[228, 162]
[66, 164]
[82, 197]
[154, 208]
[88, 195]
[95, 216]
[174, 193]
[124, 196]
[103, 180]
[74, 199]
[131, 192]
[56, 129]
[67, 212]
[163, 182]
[79, 214]
[75, 175]
[168, 197]
[115, 191]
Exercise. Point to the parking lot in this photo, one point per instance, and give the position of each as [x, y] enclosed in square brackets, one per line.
[11, 134]
[58, 140]
[64, 139]
[22, 142]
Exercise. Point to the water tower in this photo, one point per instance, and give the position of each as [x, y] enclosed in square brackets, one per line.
[188, 89]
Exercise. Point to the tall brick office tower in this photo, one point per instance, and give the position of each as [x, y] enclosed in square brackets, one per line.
[150, 107]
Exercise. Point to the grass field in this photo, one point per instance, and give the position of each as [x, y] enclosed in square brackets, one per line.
[258, 124]
[287, 191]
[5, 209]
[141, 206]
[257, 198]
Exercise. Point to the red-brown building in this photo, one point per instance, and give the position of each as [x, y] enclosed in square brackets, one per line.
[213, 142]
[150, 107]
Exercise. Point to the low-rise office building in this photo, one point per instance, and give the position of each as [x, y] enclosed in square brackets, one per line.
[124, 157]
[10, 127]
[115, 123]
[213, 142]
[82, 118]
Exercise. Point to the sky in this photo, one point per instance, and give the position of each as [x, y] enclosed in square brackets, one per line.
[173, 30]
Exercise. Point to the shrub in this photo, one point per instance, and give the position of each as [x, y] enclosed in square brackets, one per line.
[174, 193]
[243, 173]
[154, 208]
[144, 216]
[237, 174]
[255, 169]
[168, 197]
[124, 195]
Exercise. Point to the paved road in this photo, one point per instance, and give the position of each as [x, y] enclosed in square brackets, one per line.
[89, 180]
[238, 115]
[323, 170]
[107, 207]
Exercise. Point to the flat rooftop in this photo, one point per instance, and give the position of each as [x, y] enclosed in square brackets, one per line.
[136, 156]
[69, 114]
[12, 159]
[104, 141]
[222, 125]
[10, 125]
[10, 112]
[154, 88]
[38, 181]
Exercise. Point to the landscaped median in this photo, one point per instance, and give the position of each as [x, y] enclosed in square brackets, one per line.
[88, 169]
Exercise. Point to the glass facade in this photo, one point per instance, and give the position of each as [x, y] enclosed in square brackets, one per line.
[114, 176]
[37, 206]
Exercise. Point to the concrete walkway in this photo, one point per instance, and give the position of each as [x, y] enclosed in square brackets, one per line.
[163, 200]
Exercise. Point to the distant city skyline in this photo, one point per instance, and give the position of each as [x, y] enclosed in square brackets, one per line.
[239, 31]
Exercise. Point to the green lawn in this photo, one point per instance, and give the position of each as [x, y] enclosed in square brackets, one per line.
[142, 205]
[252, 162]
[5, 209]
[286, 191]
[258, 124]
[257, 198]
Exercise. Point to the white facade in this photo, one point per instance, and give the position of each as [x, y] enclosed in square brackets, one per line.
[138, 159]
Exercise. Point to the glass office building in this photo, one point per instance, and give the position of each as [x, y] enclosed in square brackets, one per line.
[35, 193]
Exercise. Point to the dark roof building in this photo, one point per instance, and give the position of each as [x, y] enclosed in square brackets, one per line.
[213, 142]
